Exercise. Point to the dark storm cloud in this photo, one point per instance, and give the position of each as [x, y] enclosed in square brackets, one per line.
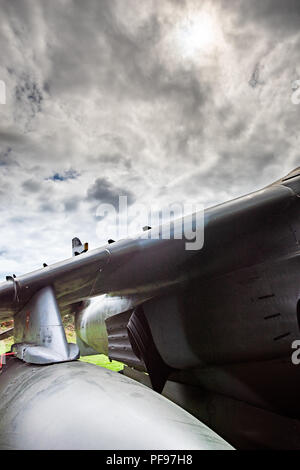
[153, 80]
[106, 87]
[105, 192]
[125, 64]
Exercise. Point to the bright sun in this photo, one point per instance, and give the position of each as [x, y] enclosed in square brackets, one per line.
[196, 34]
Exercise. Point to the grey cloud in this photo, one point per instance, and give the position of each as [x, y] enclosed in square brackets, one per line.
[47, 207]
[255, 77]
[282, 16]
[105, 192]
[11, 136]
[5, 157]
[29, 95]
[31, 186]
[71, 204]
[125, 64]
[101, 87]
[19, 220]
[115, 159]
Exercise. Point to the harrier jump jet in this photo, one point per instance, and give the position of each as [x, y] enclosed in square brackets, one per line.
[211, 329]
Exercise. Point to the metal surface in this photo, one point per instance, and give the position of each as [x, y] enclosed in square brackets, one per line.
[92, 317]
[246, 426]
[81, 406]
[119, 346]
[39, 334]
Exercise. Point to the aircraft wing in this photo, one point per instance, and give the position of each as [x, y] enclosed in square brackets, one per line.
[145, 266]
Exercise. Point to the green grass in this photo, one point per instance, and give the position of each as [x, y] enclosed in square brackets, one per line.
[5, 345]
[103, 361]
[99, 359]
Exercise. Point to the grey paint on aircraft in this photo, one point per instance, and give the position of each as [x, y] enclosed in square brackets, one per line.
[77, 405]
[39, 333]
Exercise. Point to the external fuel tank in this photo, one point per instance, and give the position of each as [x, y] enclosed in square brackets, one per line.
[75, 405]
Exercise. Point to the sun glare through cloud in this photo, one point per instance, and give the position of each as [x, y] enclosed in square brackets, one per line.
[156, 100]
[197, 34]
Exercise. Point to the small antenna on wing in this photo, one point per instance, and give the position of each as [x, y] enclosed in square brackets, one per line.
[78, 247]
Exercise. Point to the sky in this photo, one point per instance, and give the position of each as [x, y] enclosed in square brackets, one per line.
[160, 101]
